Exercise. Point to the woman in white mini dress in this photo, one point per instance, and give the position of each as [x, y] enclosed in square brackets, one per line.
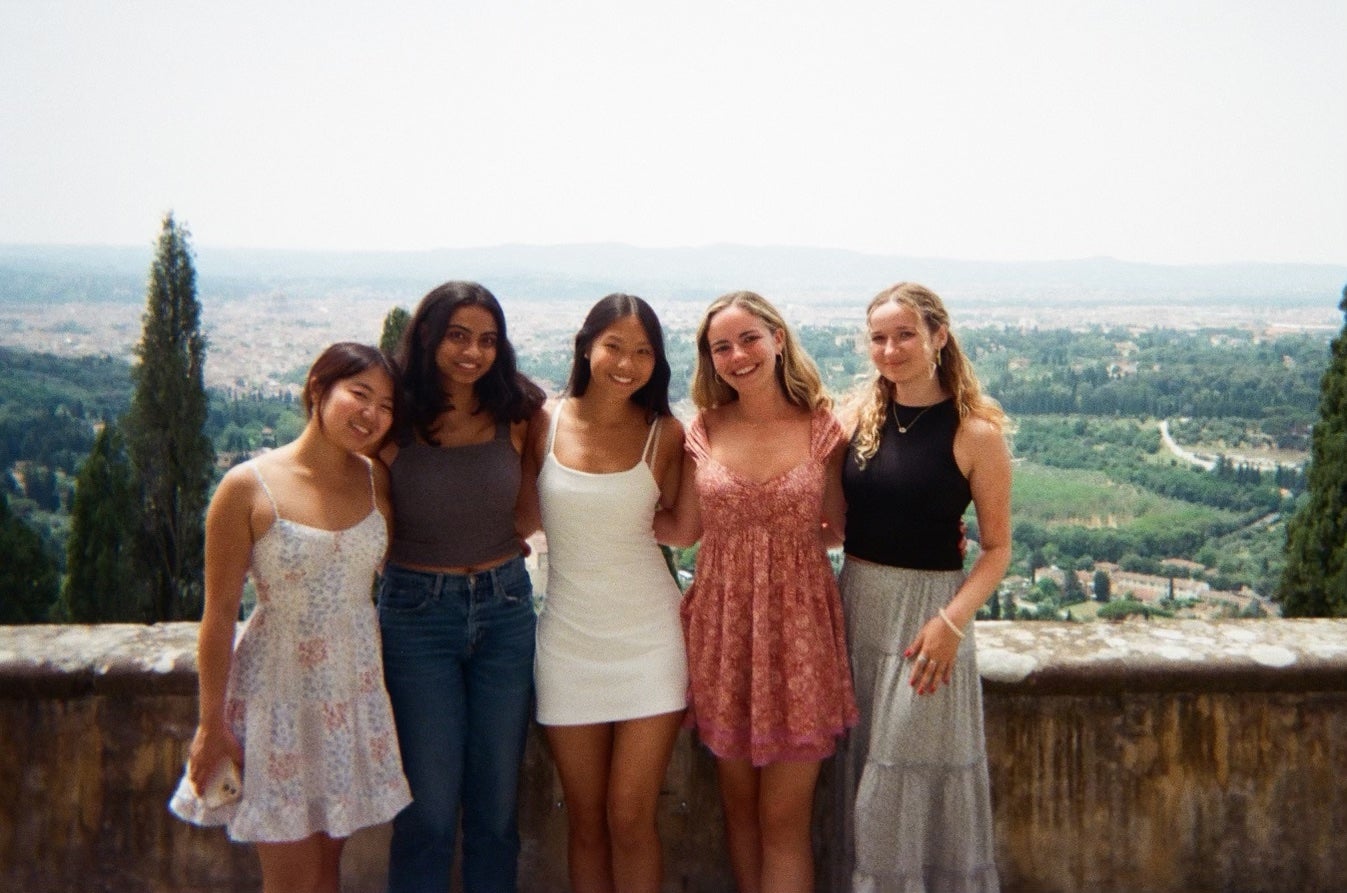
[299, 704]
[611, 669]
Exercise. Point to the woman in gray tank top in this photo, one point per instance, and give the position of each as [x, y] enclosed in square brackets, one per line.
[455, 602]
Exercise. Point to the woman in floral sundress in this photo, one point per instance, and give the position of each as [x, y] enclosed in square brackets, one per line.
[300, 703]
[770, 683]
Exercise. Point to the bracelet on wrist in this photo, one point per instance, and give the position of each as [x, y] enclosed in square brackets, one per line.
[950, 623]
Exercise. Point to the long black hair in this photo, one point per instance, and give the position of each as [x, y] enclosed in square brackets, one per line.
[503, 392]
[653, 396]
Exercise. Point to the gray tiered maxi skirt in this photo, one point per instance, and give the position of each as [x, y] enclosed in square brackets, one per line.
[914, 806]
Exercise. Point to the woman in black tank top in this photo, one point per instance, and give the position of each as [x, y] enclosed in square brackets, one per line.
[914, 795]
[455, 602]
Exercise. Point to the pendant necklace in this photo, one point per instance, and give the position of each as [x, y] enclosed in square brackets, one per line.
[903, 429]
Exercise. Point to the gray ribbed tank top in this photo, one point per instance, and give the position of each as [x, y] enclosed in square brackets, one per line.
[454, 506]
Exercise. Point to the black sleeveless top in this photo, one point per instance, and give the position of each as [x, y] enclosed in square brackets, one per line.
[904, 507]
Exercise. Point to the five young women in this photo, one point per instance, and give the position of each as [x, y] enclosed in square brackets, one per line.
[764, 484]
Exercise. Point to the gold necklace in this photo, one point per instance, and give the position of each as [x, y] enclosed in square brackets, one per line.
[903, 429]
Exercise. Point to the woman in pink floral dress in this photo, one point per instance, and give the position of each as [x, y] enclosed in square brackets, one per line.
[770, 683]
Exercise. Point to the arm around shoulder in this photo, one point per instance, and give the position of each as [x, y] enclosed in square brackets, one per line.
[833, 524]
[528, 513]
[680, 524]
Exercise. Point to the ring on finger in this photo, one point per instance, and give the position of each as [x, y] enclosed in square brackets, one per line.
[921, 658]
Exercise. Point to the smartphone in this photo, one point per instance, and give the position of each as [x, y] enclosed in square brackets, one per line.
[225, 786]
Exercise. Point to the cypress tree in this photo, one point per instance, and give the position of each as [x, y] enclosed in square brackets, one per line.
[172, 458]
[101, 584]
[28, 578]
[394, 323]
[1314, 583]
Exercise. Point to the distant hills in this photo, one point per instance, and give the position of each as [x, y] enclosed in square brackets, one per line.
[43, 273]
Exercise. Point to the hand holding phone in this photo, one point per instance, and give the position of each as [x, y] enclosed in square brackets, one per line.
[225, 785]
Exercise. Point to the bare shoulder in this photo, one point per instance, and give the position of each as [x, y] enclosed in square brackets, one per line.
[981, 444]
[380, 472]
[670, 431]
[525, 430]
[981, 433]
[237, 492]
[242, 479]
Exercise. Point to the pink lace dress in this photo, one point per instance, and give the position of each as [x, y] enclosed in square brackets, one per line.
[767, 658]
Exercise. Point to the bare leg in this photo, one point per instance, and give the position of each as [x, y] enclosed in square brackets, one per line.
[311, 865]
[582, 755]
[740, 782]
[785, 811]
[641, 751]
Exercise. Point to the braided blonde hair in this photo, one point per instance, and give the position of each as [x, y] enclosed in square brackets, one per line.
[953, 371]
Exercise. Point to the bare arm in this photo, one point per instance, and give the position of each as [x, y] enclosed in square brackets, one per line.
[981, 449]
[669, 460]
[989, 479]
[527, 512]
[382, 495]
[833, 526]
[680, 525]
[229, 542]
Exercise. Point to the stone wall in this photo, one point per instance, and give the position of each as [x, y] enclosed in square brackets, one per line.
[1170, 755]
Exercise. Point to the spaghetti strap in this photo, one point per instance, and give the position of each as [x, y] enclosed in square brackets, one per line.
[552, 426]
[275, 509]
[651, 444]
[373, 496]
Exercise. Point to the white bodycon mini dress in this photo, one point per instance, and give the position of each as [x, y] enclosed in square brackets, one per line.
[610, 643]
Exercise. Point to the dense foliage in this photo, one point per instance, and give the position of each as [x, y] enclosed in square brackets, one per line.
[1154, 373]
[1315, 581]
[28, 577]
[102, 583]
[172, 459]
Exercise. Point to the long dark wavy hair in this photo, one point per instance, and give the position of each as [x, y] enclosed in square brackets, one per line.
[505, 393]
[653, 396]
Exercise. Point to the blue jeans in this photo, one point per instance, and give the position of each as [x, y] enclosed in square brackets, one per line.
[458, 663]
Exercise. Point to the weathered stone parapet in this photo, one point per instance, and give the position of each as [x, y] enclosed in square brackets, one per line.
[1147, 755]
[1163, 656]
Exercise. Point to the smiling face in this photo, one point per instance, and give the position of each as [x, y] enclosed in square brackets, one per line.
[468, 348]
[622, 357]
[901, 347]
[744, 349]
[357, 412]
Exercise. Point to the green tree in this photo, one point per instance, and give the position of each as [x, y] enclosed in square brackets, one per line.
[1103, 586]
[394, 324]
[170, 454]
[28, 578]
[1073, 592]
[101, 583]
[1314, 582]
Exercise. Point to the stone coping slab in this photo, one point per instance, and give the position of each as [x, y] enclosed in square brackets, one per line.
[1022, 657]
[1166, 655]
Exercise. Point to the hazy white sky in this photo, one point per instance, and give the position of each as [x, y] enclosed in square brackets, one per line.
[1176, 131]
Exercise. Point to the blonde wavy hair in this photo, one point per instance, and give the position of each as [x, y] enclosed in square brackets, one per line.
[795, 372]
[953, 371]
